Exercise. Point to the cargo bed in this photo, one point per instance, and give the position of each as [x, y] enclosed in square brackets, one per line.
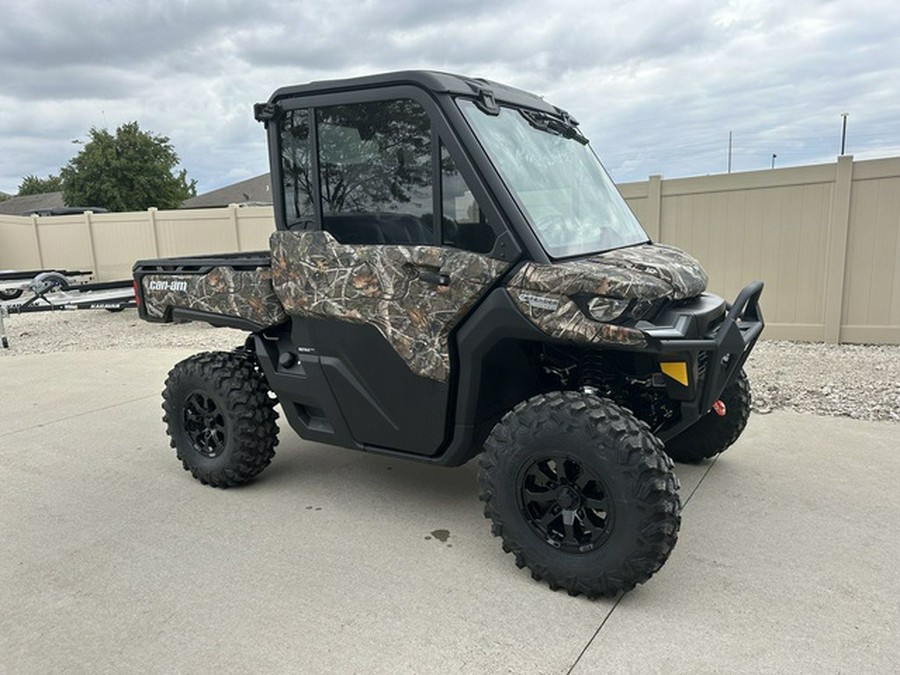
[233, 289]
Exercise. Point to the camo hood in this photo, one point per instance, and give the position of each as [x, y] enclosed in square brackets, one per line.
[546, 293]
[647, 272]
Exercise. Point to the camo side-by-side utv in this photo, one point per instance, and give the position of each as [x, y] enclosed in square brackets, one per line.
[454, 273]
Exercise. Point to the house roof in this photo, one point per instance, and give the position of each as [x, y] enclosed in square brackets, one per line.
[257, 190]
[18, 206]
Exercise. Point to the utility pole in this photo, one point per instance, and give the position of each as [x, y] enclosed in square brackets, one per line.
[729, 152]
[773, 159]
[844, 117]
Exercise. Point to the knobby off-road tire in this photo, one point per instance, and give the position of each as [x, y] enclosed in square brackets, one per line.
[712, 434]
[581, 493]
[220, 418]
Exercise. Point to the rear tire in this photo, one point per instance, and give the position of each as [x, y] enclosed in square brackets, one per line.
[220, 417]
[581, 493]
[11, 294]
[712, 434]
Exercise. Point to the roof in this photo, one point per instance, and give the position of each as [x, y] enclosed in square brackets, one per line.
[426, 79]
[64, 210]
[18, 206]
[256, 190]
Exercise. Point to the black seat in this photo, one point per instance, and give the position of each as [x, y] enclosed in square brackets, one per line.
[377, 228]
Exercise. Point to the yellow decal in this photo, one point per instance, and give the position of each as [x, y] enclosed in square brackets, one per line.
[677, 370]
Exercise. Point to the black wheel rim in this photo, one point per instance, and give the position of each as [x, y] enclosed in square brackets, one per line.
[566, 504]
[204, 424]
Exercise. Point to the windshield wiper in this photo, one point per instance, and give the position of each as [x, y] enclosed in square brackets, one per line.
[553, 125]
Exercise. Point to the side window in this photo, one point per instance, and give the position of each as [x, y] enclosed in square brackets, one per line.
[295, 164]
[463, 224]
[375, 172]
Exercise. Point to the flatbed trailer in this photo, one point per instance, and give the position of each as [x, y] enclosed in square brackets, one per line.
[13, 283]
[113, 296]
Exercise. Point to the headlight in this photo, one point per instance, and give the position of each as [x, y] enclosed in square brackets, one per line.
[605, 310]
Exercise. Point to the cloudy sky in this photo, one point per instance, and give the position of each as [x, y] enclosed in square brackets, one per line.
[657, 85]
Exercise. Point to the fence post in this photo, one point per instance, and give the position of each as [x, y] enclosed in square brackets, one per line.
[37, 240]
[151, 217]
[654, 207]
[836, 260]
[233, 214]
[90, 228]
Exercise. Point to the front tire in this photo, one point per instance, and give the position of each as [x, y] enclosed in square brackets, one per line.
[581, 493]
[220, 417]
[712, 433]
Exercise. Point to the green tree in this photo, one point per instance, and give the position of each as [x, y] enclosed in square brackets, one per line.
[131, 171]
[373, 154]
[32, 185]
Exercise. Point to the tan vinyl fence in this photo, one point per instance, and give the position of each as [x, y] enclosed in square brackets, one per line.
[109, 243]
[825, 239]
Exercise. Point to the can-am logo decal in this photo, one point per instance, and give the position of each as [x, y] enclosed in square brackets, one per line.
[168, 285]
[541, 302]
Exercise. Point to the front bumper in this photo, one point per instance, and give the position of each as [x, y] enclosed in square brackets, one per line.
[716, 359]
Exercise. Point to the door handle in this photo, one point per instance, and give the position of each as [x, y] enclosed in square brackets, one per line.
[430, 275]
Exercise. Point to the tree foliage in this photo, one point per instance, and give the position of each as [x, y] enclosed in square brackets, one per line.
[32, 185]
[129, 171]
[372, 157]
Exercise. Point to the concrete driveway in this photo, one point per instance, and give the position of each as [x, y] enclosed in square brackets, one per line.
[115, 560]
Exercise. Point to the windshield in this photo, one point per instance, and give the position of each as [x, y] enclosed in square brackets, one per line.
[570, 201]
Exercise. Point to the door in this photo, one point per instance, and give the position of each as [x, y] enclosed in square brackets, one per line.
[378, 280]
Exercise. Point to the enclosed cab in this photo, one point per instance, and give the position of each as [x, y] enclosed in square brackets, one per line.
[453, 271]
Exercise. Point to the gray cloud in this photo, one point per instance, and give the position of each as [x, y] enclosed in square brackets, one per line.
[657, 86]
[45, 34]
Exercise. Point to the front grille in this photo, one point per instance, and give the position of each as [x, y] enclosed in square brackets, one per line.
[702, 360]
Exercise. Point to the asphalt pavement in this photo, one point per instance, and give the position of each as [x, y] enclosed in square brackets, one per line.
[114, 560]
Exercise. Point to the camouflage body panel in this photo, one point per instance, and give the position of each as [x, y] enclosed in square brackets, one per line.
[544, 293]
[391, 287]
[246, 294]
[645, 272]
[559, 317]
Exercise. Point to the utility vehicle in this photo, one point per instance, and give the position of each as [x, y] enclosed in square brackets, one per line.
[453, 273]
